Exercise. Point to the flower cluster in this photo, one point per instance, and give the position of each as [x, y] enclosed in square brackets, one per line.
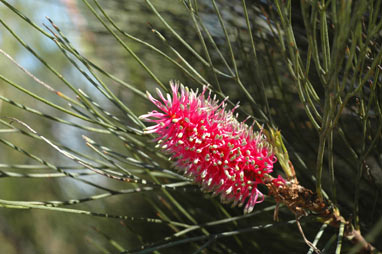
[209, 145]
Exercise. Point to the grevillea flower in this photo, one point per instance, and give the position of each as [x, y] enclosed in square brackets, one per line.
[209, 145]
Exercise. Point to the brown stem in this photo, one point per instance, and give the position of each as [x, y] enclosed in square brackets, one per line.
[356, 238]
[301, 201]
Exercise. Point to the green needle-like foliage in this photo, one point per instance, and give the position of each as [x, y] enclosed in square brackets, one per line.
[76, 167]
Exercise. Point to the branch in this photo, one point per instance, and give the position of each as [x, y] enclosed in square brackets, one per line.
[302, 201]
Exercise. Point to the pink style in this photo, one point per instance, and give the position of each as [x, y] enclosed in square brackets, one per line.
[209, 145]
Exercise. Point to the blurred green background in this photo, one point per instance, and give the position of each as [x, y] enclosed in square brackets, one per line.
[36, 231]
[43, 231]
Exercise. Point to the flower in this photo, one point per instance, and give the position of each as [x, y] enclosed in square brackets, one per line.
[209, 145]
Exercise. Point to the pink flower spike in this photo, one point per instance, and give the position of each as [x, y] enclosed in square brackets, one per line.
[209, 145]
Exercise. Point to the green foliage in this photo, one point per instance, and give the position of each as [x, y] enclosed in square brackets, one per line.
[80, 175]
